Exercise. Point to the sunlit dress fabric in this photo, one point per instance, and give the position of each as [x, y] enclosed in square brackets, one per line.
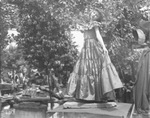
[94, 76]
[142, 83]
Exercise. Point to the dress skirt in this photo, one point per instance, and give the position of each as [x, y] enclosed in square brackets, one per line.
[94, 76]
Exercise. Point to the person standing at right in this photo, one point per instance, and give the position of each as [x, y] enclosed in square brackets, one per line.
[142, 82]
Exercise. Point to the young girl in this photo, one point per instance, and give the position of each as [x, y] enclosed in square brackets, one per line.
[94, 77]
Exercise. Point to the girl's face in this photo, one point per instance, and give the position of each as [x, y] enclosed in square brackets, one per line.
[94, 15]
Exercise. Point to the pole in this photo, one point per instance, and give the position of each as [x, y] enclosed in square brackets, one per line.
[49, 77]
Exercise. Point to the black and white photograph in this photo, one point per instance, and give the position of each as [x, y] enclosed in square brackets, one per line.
[74, 58]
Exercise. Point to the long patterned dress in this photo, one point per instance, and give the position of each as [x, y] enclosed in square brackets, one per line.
[94, 77]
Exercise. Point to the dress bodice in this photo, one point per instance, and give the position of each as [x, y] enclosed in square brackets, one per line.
[89, 34]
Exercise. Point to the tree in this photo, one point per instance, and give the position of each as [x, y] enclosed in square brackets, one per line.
[119, 17]
[13, 60]
[8, 20]
[45, 44]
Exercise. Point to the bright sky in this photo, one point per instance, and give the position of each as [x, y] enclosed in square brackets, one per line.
[78, 39]
[10, 32]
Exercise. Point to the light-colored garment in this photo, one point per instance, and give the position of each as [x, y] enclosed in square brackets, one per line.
[94, 76]
[142, 83]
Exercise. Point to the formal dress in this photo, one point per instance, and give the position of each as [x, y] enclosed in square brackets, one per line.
[94, 77]
[142, 83]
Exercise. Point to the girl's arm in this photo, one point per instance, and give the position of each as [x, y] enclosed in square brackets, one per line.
[99, 37]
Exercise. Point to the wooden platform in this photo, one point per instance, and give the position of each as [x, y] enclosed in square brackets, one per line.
[121, 111]
[81, 105]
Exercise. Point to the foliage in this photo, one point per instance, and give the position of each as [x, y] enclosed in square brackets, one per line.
[3, 33]
[8, 20]
[45, 44]
[12, 62]
[116, 24]
[119, 17]
[42, 25]
[129, 20]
